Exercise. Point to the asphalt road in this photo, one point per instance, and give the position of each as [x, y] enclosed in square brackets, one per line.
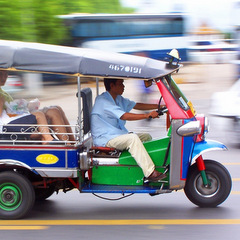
[169, 216]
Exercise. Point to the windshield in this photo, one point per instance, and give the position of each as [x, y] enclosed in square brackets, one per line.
[176, 92]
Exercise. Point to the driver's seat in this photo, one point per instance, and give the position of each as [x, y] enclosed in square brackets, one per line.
[86, 95]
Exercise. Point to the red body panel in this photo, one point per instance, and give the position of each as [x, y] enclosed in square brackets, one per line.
[176, 112]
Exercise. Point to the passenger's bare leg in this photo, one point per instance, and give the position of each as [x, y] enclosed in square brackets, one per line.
[66, 122]
[54, 115]
[45, 133]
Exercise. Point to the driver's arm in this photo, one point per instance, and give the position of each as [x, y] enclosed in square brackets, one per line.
[145, 106]
[132, 116]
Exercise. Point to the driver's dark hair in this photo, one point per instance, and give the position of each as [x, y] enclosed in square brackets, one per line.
[108, 81]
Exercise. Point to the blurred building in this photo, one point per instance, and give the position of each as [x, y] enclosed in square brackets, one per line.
[208, 45]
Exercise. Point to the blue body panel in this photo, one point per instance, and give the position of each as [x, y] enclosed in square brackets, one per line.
[64, 157]
[205, 146]
[187, 148]
[188, 144]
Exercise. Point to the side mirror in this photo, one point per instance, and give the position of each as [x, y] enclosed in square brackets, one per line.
[147, 83]
[189, 129]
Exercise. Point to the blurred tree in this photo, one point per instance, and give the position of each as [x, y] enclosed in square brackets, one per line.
[10, 19]
[93, 6]
[35, 20]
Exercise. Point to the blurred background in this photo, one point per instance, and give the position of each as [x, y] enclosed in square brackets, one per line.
[206, 34]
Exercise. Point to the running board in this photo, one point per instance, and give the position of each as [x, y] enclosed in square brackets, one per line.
[123, 189]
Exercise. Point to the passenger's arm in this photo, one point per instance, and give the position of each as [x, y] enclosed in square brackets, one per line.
[145, 106]
[133, 116]
[1, 105]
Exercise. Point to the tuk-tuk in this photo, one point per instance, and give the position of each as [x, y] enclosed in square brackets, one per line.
[30, 171]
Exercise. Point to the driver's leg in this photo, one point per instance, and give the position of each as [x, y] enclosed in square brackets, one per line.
[144, 137]
[133, 144]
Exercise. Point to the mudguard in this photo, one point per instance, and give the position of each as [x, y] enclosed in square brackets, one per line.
[11, 162]
[206, 146]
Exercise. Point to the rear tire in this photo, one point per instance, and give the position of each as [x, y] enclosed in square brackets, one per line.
[16, 195]
[213, 195]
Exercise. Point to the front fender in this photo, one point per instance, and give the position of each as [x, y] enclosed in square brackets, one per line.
[206, 146]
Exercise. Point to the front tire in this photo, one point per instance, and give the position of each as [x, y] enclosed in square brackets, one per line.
[213, 195]
[16, 195]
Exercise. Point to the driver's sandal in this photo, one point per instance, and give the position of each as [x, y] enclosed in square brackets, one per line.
[156, 176]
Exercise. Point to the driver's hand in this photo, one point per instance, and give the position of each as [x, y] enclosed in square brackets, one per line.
[153, 114]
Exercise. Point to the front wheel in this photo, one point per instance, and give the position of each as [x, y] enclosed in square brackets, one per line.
[214, 194]
[16, 195]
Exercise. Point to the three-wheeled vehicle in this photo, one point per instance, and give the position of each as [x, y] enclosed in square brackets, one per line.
[31, 171]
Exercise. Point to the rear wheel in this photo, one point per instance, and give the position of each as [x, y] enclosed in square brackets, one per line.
[16, 195]
[214, 194]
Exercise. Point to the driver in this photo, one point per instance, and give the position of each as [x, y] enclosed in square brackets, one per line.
[109, 115]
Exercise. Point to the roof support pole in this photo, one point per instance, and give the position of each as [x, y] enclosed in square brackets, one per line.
[97, 86]
[80, 123]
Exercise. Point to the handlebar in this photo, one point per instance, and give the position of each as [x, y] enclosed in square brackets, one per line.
[161, 111]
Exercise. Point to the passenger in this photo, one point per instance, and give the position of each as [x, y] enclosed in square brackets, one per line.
[36, 117]
[55, 116]
[26, 118]
[108, 119]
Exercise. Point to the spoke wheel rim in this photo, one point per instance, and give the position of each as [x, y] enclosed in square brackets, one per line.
[10, 196]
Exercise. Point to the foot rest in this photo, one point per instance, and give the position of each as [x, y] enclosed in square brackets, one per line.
[104, 151]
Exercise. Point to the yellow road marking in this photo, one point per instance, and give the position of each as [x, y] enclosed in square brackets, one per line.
[235, 192]
[231, 163]
[156, 227]
[154, 223]
[120, 222]
[235, 179]
[23, 227]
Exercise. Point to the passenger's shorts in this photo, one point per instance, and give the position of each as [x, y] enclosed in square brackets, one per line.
[29, 120]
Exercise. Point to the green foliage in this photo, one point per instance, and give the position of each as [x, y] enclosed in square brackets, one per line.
[35, 20]
[92, 6]
[10, 20]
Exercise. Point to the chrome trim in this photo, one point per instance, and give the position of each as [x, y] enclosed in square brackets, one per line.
[14, 163]
[79, 121]
[58, 173]
[15, 137]
[163, 191]
[175, 179]
[105, 161]
[206, 125]
[66, 159]
[85, 161]
[189, 129]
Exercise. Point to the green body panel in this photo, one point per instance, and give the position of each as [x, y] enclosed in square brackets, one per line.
[156, 149]
[117, 175]
[129, 173]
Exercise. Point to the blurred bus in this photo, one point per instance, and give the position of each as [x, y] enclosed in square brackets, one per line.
[151, 35]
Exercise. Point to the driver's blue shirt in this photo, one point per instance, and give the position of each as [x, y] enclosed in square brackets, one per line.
[105, 118]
